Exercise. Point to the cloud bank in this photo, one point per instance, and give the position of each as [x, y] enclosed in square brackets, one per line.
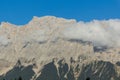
[100, 33]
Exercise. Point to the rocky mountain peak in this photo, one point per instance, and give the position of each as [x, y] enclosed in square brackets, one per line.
[51, 42]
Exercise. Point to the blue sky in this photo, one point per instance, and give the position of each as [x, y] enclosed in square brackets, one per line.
[21, 11]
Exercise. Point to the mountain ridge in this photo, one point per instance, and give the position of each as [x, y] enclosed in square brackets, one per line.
[46, 39]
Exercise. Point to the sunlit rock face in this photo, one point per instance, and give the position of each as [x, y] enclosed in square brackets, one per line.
[64, 48]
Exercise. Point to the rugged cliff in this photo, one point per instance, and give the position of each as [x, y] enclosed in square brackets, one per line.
[60, 70]
[44, 50]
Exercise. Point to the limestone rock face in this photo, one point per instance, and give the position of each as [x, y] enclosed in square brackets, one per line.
[42, 45]
[41, 38]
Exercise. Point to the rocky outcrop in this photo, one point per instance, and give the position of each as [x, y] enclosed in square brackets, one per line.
[44, 51]
[60, 70]
[19, 70]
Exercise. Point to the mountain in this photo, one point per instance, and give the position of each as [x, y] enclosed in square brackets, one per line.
[47, 49]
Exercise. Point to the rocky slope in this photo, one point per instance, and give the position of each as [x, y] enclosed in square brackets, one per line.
[60, 70]
[42, 50]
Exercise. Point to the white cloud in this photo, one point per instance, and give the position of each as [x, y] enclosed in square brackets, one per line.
[101, 33]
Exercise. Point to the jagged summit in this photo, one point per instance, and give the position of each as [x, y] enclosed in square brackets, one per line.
[51, 18]
[39, 19]
[49, 38]
[51, 35]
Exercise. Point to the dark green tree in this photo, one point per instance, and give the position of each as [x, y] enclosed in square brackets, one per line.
[87, 78]
[20, 78]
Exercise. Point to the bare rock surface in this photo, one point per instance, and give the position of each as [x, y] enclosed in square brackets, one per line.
[44, 43]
